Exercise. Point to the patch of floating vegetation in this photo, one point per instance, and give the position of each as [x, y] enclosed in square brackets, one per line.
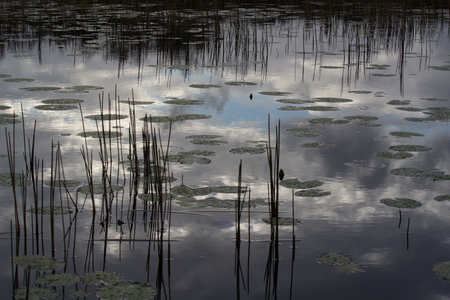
[312, 193]
[96, 278]
[19, 79]
[62, 101]
[63, 183]
[433, 174]
[367, 124]
[126, 290]
[58, 279]
[99, 188]
[106, 117]
[40, 88]
[184, 190]
[440, 68]
[188, 159]
[100, 134]
[333, 259]
[214, 202]
[380, 94]
[205, 139]
[362, 118]
[401, 203]
[443, 270]
[332, 67]
[178, 118]
[411, 109]
[383, 75]
[410, 148]
[304, 131]
[78, 294]
[178, 67]
[295, 183]
[149, 179]
[316, 145]
[240, 83]
[399, 102]
[35, 293]
[203, 136]
[327, 121]
[37, 262]
[442, 198]
[360, 92]
[332, 100]
[311, 108]
[135, 102]
[4, 75]
[80, 89]
[204, 86]
[248, 150]
[295, 101]
[155, 197]
[8, 119]
[405, 134]
[47, 210]
[272, 93]
[184, 102]
[434, 99]
[390, 155]
[282, 221]
[4, 107]
[418, 120]
[55, 107]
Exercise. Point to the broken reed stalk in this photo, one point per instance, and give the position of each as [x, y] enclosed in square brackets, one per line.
[87, 163]
[11, 149]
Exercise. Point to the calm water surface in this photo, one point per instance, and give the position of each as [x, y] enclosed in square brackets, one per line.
[141, 52]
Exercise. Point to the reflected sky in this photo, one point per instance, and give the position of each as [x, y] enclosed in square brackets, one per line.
[304, 57]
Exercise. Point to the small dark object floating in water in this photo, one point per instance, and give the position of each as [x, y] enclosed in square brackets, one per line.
[251, 97]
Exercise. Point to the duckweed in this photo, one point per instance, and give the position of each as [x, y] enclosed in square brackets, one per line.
[401, 203]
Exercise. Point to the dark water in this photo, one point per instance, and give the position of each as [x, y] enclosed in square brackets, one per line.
[156, 52]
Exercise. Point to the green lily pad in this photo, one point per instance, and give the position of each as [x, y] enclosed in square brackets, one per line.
[40, 88]
[434, 174]
[443, 270]
[63, 183]
[209, 142]
[57, 210]
[135, 102]
[269, 93]
[106, 117]
[383, 75]
[62, 101]
[188, 159]
[440, 68]
[401, 203]
[178, 118]
[405, 134]
[96, 278]
[248, 150]
[311, 108]
[58, 279]
[332, 67]
[333, 259]
[7, 177]
[22, 183]
[55, 107]
[184, 190]
[312, 193]
[184, 102]
[38, 262]
[410, 109]
[19, 79]
[362, 118]
[126, 290]
[332, 100]
[297, 184]
[360, 92]
[316, 145]
[6, 119]
[214, 202]
[295, 101]
[36, 293]
[304, 131]
[101, 134]
[442, 198]
[98, 188]
[83, 88]
[78, 294]
[367, 124]
[155, 197]
[4, 107]
[399, 102]
[204, 86]
[240, 83]
[327, 121]
[4, 75]
[378, 67]
[282, 221]
[410, 148]
[203, 136]
[434, 99]
[397, 155]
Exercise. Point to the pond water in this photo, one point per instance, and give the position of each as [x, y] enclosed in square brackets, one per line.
[359, 96]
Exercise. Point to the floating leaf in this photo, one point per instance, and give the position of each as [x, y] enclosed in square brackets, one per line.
[410, 148]
[126, 290]
[135, 102]
[38, 262]
[210, 142]
[312, 193]
[204, 86]
[282, 221]
[96, 278]
[443, 270]
[98, 188]
[269, 93]
[297, 184]
[40, 88]
[6, 119]
[311, 108]
[434, 174]
[62, 101]
[214, 202]
[362, 118]
[332, 100]
[101, 134]
[19, 79]
[184, 102]
[55, 107]
[401, 203]
[36, 293]
[366, 124]
[327, 121]
[46, 210]
[295, 101]
[155, 197]
[4, 107]
[203, 136]
[350, 268]
[405, 134]
[63, 183]
[178, 118]
[410, 109]
[106, 117]
[397, 155]
[333, 259]
[360, 92]
[317, 145]
[383, 75]
[58, 279]
[240, 83]
[184, 190]
[399, 102]
[78, 294]
[248, 150]
[442, 198]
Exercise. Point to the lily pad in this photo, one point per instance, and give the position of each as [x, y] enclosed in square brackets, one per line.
[126, 290]
[305, 131]
[4, 107]
[6, 119]
[383, 75]
[333, 259]
[297, 184]
[4, 75]
[178, 118]
[332, 100]
[434, 99]
[312, 193]
[184, 102]
[311, 108]
[188, 159]
[397, 155]
[295, 101]
[360, 92]
[62, 101]
[55, 107]
[317, 145]
[63, 183]
[443, 270]
[378, 67]
[399, 102]
[135, 102]
[98, 188]
[58, 279]
[209, 142]
[96, 278]
[40, 88]
[405, 134]
[362, 118]
[282, 221]
[434, 174]
[35, 293]
[155, 197]
[106, 117]
[327, 121]
[78, 294]
[367, 124]
[248, 150]
[100, 134]
[57, 210]
[19, 79]
[203, 136]
[38, 262]
[410, 148]
[214, 202]
[269, 93]
[204, 86]
[410, 109]
[184, 190]
[240, 83]
[442, 198]
[401, 203]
